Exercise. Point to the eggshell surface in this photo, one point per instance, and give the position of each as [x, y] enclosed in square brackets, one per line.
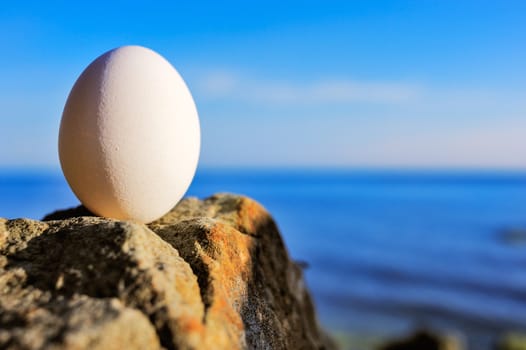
[129, 136]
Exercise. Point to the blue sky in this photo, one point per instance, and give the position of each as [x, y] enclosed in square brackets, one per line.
[420, 84]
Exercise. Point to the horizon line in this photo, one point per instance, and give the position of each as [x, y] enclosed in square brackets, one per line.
[306, 168]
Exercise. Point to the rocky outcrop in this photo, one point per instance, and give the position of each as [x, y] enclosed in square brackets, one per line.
[512, 341]
[210, 274]
[424, 340]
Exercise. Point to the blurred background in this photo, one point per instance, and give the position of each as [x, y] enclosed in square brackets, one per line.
[387, 138]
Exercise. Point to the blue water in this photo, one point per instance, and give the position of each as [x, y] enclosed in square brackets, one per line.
[386, 251]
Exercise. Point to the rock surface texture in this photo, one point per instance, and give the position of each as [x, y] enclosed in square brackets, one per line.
[211, 274]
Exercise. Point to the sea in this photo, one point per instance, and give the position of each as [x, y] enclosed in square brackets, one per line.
[384, 252]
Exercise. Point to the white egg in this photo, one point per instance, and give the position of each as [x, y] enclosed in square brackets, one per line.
[129, 137]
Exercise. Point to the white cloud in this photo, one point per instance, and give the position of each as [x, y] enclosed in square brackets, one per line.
[218, 83]
[225, 84]
[401, 125]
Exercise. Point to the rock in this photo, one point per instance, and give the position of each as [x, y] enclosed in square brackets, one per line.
[424, 339]
[512, 341]
[513, 236]
[210, 274]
